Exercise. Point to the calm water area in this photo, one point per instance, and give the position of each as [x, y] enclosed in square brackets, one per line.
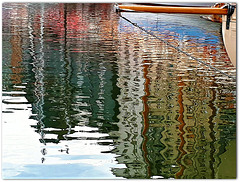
[86, 95]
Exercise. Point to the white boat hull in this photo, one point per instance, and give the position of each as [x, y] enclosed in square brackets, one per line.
[229, 37]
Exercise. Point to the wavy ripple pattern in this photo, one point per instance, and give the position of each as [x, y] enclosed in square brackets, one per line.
[87, 94]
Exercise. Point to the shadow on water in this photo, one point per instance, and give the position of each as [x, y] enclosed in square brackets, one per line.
[108, 101]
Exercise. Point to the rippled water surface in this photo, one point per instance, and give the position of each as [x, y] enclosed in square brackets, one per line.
[85, 95]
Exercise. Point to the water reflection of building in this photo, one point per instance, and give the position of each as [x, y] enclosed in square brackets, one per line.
[135, 63]
[131, 83]
[185, 116]
[72, 65]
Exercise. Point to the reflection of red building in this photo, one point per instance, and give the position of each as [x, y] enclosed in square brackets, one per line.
[59, 19]
[54, 17]
[71, 19]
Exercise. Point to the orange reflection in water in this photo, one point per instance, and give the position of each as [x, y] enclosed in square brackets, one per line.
[17, 42]
[181, 126]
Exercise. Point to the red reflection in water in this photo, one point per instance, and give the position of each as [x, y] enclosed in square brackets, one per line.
[145, 114]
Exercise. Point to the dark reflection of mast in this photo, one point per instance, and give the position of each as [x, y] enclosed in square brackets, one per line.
[67, 75]
[145, 115]
[212, 133]
[181, 126]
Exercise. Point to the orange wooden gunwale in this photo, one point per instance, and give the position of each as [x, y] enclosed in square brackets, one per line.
[184, 10]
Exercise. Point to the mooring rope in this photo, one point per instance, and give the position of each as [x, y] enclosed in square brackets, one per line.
[178, 49]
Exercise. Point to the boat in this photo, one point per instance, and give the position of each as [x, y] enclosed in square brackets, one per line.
[220, 12]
